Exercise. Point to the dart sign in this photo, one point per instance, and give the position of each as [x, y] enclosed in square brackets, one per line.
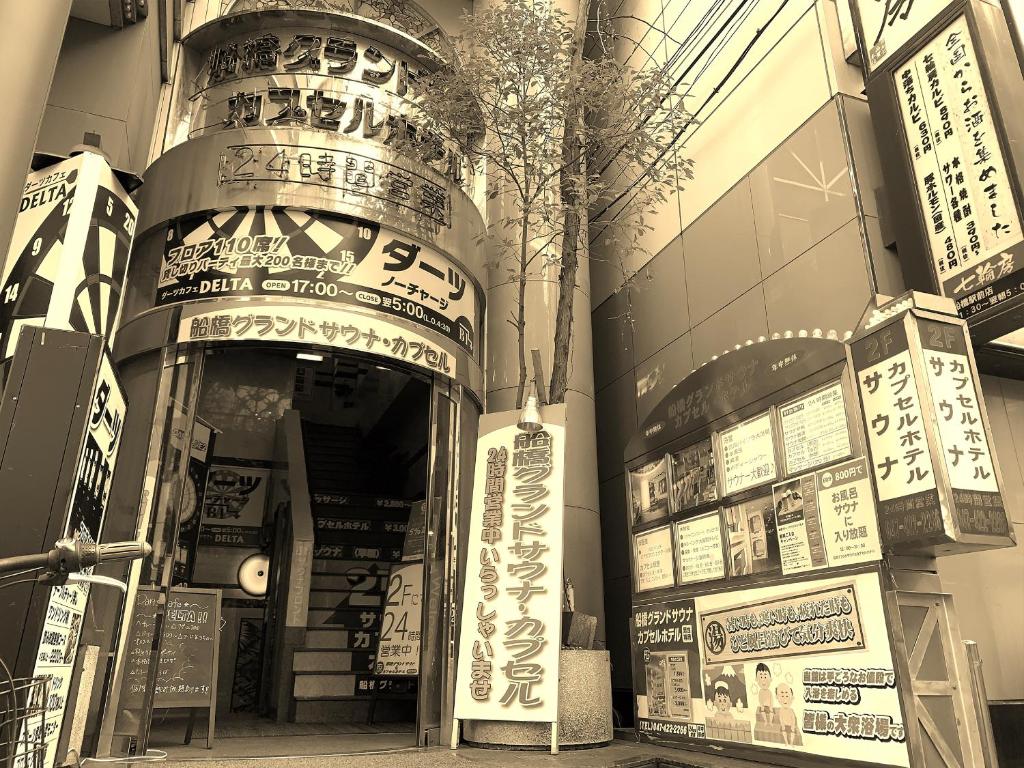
[66, 264]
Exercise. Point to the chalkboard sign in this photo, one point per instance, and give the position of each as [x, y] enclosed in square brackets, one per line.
[189, 649]
[187, 676]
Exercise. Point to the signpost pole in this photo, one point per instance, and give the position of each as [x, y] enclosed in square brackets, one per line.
[455, 733]
[554, 737]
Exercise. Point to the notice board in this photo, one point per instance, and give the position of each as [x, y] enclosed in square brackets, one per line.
[186, 675]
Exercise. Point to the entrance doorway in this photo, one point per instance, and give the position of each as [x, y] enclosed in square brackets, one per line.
[317, 501]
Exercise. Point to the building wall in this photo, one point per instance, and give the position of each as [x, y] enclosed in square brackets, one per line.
[107, 82]
[783, 227]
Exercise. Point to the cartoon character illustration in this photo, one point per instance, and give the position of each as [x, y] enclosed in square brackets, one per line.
[764, 693]
[787, 717]
[725, 693]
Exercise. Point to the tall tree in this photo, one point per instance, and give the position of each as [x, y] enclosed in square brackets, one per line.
[572, 140]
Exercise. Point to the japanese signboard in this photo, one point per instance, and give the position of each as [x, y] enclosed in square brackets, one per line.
[511, 611]
[69, 251]
[337, 328]
[930, 444]
[187, 672]
[342, 260]
[908, 502]
[960, 174]
[827, 518]
[801, 667]
[65, 610]
[962, 434]
[748, 454]
[398, 646]
[814, 429]
[887, 25]
[700, 555]
[652, 559]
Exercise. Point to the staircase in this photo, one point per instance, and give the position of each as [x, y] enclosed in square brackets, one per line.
[358, 535]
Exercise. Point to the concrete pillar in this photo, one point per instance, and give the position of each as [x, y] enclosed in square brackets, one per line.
[30, 40]
[582, 559]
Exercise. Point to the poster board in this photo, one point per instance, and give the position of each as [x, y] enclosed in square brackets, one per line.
[748, 454]
[398, 644]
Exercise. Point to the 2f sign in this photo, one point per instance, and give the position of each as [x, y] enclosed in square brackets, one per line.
[944, 336]
[879, 344]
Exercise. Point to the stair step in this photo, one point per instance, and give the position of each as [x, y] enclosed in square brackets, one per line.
[329, 638]
[351, 581]
[344, 618]
[339, 685]
[309, 660]
[355, 711]
[335, 599]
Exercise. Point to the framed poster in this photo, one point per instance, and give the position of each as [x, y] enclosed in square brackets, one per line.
[693, 475]
[748, 454]
[652, 559]
[815, 430]
[753, 542]
[798, 525]
[820, 681]
[700, 555]
[648, 492]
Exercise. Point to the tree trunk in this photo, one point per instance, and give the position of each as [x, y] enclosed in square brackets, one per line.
[569, 263]
[521, 317]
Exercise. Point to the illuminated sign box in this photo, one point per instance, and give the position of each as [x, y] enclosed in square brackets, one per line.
[930, 445]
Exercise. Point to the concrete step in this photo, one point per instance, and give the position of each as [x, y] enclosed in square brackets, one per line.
[367, 619]
[314, 660]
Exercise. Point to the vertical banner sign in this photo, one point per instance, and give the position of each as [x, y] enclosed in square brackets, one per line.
[908, 502]
[398, 647]
[58, 645]
[963, 188]
[966, 447]
[510, 631]
[69, 251]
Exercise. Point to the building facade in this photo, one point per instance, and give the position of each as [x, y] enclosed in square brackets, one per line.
[309, 333]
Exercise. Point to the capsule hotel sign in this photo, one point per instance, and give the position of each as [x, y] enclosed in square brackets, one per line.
[511, 612]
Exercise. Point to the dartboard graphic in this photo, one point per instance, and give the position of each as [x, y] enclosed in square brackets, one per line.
[104, 260]
[26, 293]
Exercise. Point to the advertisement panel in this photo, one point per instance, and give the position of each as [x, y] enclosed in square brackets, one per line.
[510, 626]
[887, 26]
[648, 491]
[827, 518]
[814, 429]
[960, 173]
[693, 475]
[652, 559]
[803, 667]
[748, 454]
[65, 610]
[343, 260]
[700, 555]
[398, 646]
[69, 251]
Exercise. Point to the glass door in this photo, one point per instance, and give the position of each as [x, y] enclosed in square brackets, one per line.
[437, 550]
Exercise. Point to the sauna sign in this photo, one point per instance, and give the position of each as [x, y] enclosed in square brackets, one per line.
[511, 611]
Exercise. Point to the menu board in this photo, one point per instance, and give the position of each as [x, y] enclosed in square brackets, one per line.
[652, 558]
[189, 647]
[648, 491]
[815, 430]
[753, 542]
[693, 475]
[748, 454]
[699, 552]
